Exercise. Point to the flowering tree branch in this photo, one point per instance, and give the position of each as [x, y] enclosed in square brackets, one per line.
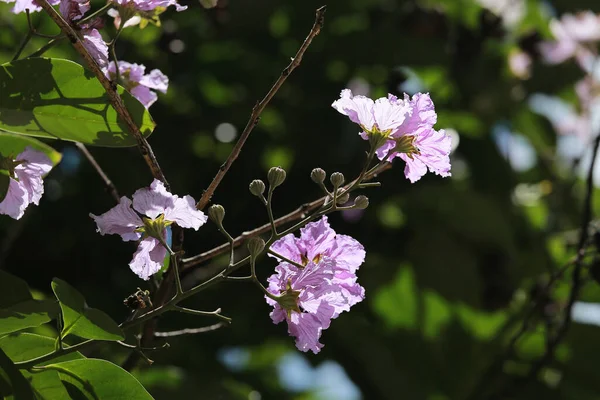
[300, 212]
[111, 89]
[259, 107]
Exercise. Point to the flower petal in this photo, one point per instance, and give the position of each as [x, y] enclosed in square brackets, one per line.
[185, 213]
[119, 220]
[153, 201]
[358, 108]
[307, 328]
[148, 258]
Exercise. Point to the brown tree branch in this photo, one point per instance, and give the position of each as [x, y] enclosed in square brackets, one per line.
[297, 214]
[111, 90]
[259, 107]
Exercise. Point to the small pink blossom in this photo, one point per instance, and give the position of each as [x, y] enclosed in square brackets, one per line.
[152, 209]
[26, 185]
[137, 83]
[323, 289]
[95, 45]
[404, 128]
[22, 5]
[72, 10]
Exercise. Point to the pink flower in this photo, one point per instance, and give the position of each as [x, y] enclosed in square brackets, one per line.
[146, 218]
[72, 10]
[138, 84]
[308, 298]
[571, 33]
[22, 5]
[148, 5]
[95, 45]
[401, 128]
[25, 185]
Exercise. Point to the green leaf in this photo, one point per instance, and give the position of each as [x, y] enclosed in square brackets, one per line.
[79, 319]
[19, 386]
[13, 290]
[58, 99]
[26, 346]
[28, 314]
[13, 144]
[99, 379]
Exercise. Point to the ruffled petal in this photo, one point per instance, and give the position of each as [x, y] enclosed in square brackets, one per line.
[307, 328]
[316, 238]
[119, 220]
[153, 201]
[348, 253]
[358, 108]
[148, 258]
[185, 213]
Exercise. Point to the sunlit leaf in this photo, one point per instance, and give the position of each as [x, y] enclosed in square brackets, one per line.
[27, 314]
[99, 379]
[79, 319]
[58, 99]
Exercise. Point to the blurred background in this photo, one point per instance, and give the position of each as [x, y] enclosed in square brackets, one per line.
[451, 263]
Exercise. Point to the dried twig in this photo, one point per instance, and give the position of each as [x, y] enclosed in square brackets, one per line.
[259, 107]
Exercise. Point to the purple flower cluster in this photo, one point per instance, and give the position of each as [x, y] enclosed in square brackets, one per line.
[26, 185]
[401, 128]
[139, 84]
[146, 218]
[309, 298]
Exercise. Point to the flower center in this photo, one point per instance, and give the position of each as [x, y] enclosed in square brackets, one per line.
[288, 299]
[406, 144]
[377, 137]
[154, 227]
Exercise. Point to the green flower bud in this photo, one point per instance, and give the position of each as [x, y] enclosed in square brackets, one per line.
[318, 175]
[216, 213]
[361, 202]
[337, 179]
[276, 176]
[257, 187]
[255, 246]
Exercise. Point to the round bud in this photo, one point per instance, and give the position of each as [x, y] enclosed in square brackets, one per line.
[361, 202]
[318, 175]
[257, 187]
[216, 213]
[343, 199]
[276, 176]
[337, 179]
[255, 246]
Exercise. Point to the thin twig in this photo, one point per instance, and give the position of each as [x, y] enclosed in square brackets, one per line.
[191, 331]
[111, 90]
[258, 108]
[107, 182]
[304, 209]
